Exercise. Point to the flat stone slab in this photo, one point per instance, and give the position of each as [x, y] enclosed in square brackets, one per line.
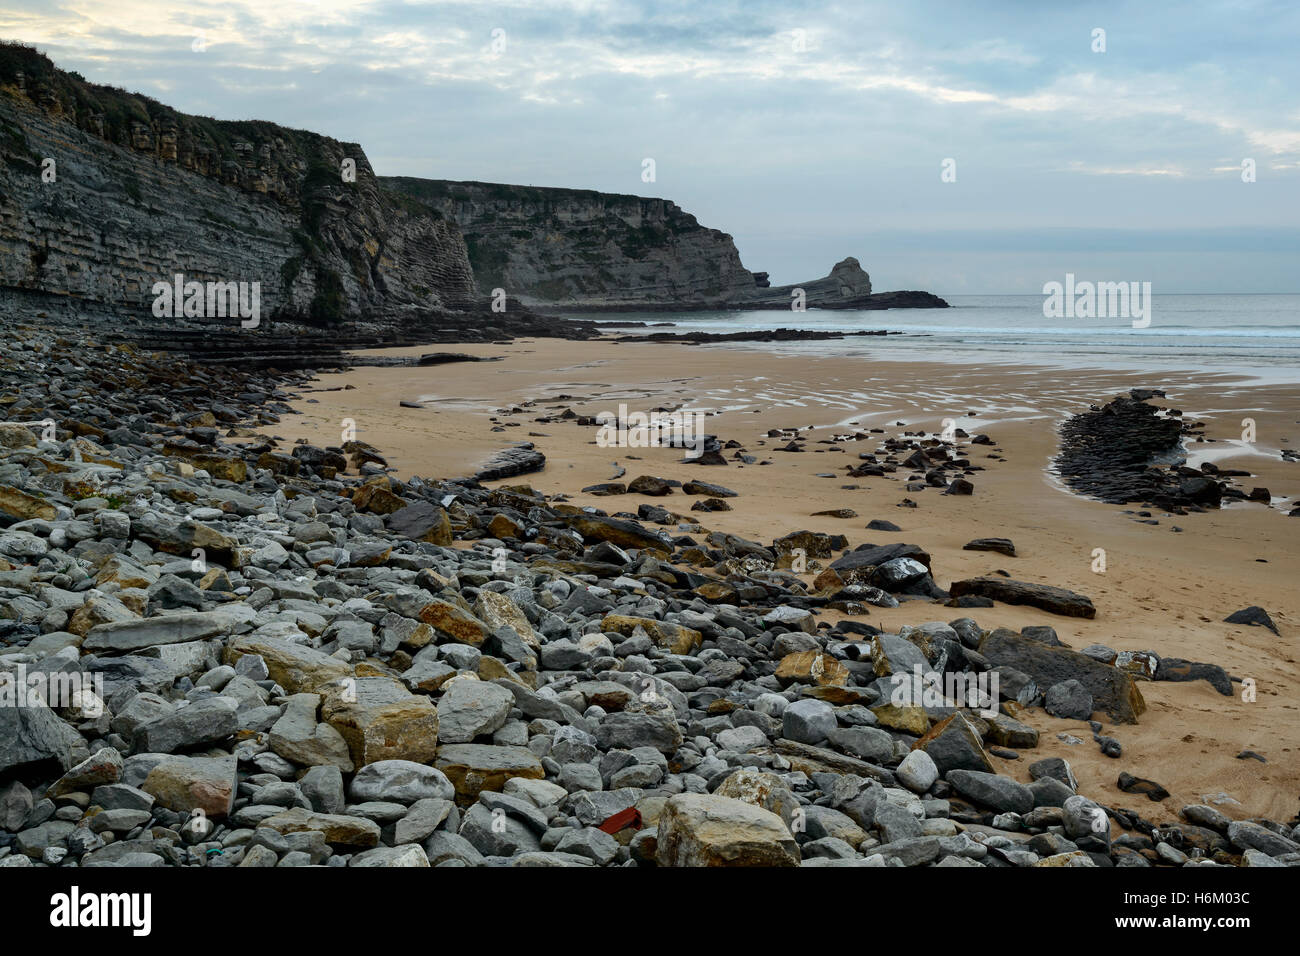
[521, 460]
[473, 768]
[339, 830]
[1043, 596]
[126, 636]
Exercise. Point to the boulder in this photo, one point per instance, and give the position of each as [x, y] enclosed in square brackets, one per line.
[707, 830]
[400, 781]
[421, 521]
[471, 708]
[473, 768]
[1043, 596]
[295, 667]
[1112, 690]
[299, 738]
[381, 720]
[186, 784]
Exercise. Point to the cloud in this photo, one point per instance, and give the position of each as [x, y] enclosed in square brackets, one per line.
[767, 118]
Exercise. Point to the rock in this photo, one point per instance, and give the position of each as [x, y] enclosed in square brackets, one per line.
[442, 847]
[1254, 615]
[606, 489]
[1071, 859]
[625, 534]
[381, 720]
[13, 435]
[1112, 690]
[791, 618]
[909, 719]
[708, 830]
[24, 507]
[741, 739]
[954, 744]
[295, 667]
[457, 624]
[472, 708]
[103, 766]
[339, 829]
[649, 485]
[1180, 671]
[917, 771]
[992, 790]
[811, 667]
[493, 832]
[1008, 732]
[1201, 815]
[299, 738]
[765, 790]
[421, 521]
[628, 731]
[322, 785]
[424, 816]
[672, 637]
[1082, 817]
[998, 545]
[1246, 834]
[15, 805]
[133, 635]
[807, 721]
[872, 556]
[705, 488]
[1070, 700]
[497, 610]
[400, 781]
[202, 722]
[1131, 784]
[589, 842]
[1045, 597]
[186, 784]
[511, 462]
[473, 768]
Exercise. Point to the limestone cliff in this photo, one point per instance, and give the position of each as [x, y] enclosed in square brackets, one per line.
[576, 250]
[103, 193]
[578, 247]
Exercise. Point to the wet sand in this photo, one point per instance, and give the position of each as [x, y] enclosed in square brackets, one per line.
[1162, 590]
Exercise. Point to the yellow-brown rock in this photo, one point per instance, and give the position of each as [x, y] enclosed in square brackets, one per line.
[671, 637]
[19, 504]
[811, 667]
[381, 720]
[909, 719]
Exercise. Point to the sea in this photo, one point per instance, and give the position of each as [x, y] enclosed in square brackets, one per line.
[1256, 335]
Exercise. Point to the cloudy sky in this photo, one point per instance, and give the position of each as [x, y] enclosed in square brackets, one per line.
[809, 131]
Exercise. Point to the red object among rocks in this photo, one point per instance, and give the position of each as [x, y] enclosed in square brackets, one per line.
[622, 820]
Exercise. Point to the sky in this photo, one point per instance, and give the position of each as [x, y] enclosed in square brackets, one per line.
[956, 147]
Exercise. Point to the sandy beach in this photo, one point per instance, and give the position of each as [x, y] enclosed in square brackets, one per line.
[1163, 590]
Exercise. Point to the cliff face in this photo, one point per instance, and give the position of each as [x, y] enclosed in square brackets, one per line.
[576, 250]
[140, 192]
[574, 247]
[104, 193]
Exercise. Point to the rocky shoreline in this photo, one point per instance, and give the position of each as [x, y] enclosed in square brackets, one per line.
[1112, 452]
[298, 659]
